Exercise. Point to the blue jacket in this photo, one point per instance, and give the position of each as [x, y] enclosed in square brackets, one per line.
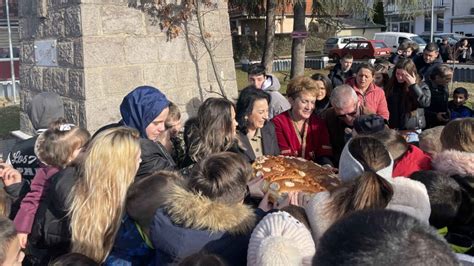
[459, 111]
[189, 223]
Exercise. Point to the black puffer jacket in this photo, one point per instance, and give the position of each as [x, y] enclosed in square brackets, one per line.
[50, 230]
[420, 97]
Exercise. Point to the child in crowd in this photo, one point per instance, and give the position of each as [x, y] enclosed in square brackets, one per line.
[445, 199]
[457, 106]
[457, 161]
[10, 249]
[430, 140]
[366, 169]
[56, 148]
[382, 237]
[98, 196]
[407, 158]
[280, 239]
[207, 213]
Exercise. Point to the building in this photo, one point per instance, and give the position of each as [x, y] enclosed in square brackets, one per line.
[456, 16]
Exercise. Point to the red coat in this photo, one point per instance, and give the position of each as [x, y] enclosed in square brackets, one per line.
[373, 98]
[413, 160]
[317, 137]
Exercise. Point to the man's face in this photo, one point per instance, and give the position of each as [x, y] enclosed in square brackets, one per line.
[346, 64]
[257, 80]
[430, 57]
[459, 99]
[444, 80]
[348, 113]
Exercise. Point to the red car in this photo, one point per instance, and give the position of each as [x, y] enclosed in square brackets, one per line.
[362, 50]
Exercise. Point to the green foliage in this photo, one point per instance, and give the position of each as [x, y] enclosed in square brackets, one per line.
[379, 16]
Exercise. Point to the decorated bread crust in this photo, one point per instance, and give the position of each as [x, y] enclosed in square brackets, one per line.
[295, 174]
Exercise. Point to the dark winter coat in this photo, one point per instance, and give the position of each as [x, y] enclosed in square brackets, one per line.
[51, 227]
[439, 104]
[404, 106]
[424, 69]
[189, 223]
[338, 77]
[269, 142]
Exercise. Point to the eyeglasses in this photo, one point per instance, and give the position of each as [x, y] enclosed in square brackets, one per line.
[348, 114]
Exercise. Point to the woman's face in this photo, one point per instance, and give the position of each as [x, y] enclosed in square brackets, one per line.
[407, 52]
[400, 74]
[259, 114]
[303, 105]
[364, 78]
[378, 79]
[157, 126]
[322, 90]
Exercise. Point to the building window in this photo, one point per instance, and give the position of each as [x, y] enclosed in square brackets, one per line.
[440, 22]
[395, 27]
[427, 23]
[405, 27]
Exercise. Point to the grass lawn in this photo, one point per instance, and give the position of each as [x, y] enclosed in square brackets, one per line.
[284, 77]
[9, 120]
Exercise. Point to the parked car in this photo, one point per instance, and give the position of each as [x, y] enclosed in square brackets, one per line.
[362, 50]
[453, 38]
[339, 42]
[394, 39]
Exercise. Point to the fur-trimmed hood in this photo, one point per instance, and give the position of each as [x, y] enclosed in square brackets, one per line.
[454, 162]
[198, 212]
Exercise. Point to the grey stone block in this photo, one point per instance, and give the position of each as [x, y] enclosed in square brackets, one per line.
[60, 81]
[73, 21]
[121, 19]
[162, 76]
[36, 78]
[65, 54]
[78, 53]
[27, 54]
[141, 50]
[76, 84]
[103, 51]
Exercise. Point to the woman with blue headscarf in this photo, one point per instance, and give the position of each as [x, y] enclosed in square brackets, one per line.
[145, 109]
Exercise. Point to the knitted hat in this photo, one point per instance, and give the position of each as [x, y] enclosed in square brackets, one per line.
[368, 124]
[350, 168]
[280, 239]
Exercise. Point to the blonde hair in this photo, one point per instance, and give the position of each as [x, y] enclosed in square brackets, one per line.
[301, 84]
[459, 135]
[98, 196]
[56, 145]
[430, 140]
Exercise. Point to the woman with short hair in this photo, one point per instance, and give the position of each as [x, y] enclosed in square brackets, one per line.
[299, 131]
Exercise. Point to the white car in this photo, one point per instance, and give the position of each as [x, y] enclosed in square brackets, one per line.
[394, 39]
[340, 42]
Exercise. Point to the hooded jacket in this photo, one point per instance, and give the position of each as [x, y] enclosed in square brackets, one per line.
[189, 223]
[278, 102]
[138, 109]
[460, 166]
[45, 108]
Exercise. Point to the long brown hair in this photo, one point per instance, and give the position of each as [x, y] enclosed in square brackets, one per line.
[407, 96]
[459, 135]
[213, 131]
[370, 190]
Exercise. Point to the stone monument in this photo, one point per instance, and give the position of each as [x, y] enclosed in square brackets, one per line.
[93, 52]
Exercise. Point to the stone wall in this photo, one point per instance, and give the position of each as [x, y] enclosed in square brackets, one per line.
[105, 49]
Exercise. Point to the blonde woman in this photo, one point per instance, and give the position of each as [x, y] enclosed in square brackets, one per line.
[98, 197]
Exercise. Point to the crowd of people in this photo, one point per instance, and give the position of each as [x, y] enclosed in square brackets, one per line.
[148, 190]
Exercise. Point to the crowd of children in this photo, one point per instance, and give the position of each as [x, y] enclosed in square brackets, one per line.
[148, 191]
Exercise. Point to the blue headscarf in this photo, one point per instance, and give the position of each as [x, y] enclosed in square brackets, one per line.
[141, 106]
